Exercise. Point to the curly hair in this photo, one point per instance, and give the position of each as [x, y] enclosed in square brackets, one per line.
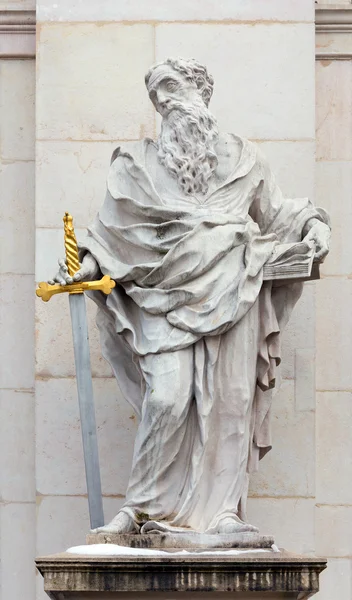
[192, 71]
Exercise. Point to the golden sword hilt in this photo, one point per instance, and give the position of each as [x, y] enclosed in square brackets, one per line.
[71, 248]
[45, 290]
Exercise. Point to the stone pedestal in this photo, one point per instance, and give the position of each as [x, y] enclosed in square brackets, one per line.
[252, 575]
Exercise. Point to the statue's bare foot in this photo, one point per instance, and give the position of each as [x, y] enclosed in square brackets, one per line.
[235, 525]
[122, 523]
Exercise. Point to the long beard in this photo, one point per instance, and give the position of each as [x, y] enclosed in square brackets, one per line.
[186, 146]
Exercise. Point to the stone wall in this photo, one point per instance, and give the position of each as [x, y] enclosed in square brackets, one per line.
[90, 98]
[333, 512]
[17, 204]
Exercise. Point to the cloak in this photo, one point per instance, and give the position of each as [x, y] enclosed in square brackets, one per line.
[192, 268]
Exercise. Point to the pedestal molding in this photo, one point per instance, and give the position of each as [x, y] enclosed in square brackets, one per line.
[254, 572]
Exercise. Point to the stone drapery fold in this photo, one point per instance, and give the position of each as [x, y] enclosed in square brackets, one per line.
[189, 270]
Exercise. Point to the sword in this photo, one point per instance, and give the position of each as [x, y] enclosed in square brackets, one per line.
[82, 364]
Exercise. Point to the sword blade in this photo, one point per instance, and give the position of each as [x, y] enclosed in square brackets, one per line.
[86, 407]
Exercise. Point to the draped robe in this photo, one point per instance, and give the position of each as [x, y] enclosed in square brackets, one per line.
[191, 331]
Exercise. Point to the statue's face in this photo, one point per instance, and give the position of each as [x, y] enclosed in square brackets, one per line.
[167, 87]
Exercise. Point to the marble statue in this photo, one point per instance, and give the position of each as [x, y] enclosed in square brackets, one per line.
[191, 330]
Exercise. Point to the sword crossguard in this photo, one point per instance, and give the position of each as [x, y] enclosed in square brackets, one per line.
[45, 291]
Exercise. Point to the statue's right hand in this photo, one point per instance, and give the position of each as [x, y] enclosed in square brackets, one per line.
[88, 271]
[62, 277]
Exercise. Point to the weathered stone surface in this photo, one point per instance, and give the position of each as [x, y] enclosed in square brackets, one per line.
[17, 218]
[336, 580]
[275, 10]
[168, 596]
[333, 526]
[60, 465]
[17, 443]
[293, 164]
[63, 521]
[17, 461]
[334, 110]
[334, 447]
[54, 348]
[289, 470]
[82, 70]
[284, 108]
[300, 331]
[305, 381]
[83, 188]
[17, 549]
[334, 298]
[17, 331]
[250, 572]
[333, 188]
[183, 540]
[17, 95]
[289, 520]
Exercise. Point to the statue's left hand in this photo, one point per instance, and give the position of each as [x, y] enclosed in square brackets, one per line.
[320, 233]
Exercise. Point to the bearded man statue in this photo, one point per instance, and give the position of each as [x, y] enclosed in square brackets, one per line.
[191, 330]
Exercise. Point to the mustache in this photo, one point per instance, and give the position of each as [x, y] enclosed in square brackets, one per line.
[181, 106]
[187, 108]
[196, 114]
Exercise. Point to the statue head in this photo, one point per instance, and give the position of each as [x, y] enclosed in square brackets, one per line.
[178, 80]
[180, 90]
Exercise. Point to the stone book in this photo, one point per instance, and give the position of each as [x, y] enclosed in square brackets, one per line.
[292, 261]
